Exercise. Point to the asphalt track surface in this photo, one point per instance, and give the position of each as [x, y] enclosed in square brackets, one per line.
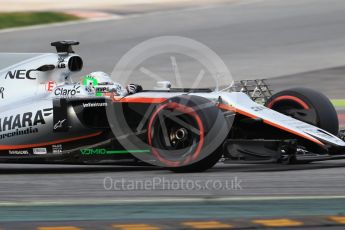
[256, 39]
[42, 182]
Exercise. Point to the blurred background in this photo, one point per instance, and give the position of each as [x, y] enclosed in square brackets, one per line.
[255, 38]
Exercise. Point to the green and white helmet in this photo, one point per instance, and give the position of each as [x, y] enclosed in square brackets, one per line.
[103, 83]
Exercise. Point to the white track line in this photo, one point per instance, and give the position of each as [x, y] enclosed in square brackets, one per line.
[160, 200]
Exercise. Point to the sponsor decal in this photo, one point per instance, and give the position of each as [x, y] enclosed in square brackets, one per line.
[18, 152]
[89, 89]
[50, 85]
[56, 149]
[61, 64]
[2, 89]
[95, 104]
[22, 124]
[39, 151]
[67, 92]
[258, 108]
[20, 74]
[59, 124]
[18, 132]
[102, 89]
[93, 151]
[111, 152]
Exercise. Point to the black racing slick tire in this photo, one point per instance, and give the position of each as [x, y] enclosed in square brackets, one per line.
[306, 105]
[202, 165]
[186, 133]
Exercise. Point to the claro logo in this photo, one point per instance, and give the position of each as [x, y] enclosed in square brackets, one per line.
[67, 92]
[20, 74]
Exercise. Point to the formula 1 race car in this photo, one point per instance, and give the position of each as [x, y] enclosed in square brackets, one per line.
[47, 118]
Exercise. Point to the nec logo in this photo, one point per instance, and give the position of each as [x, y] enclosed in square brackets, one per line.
[20, 74]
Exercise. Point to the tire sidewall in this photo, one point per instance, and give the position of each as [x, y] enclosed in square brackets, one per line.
[213, 121]
[327, 118]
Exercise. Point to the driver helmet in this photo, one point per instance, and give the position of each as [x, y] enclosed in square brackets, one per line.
[97, 78]
[101, 81]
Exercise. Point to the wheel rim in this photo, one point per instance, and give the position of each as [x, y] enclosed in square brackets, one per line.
[182, 140]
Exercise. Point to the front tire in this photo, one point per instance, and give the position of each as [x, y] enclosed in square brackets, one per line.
[306, 105]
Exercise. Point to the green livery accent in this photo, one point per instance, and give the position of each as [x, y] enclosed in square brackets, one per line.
[129, 151]
[89, 80]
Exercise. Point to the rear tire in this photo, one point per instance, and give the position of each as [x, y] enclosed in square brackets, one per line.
[306, 105]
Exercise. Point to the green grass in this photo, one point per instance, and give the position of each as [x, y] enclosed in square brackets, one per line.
[338, 102]
[18, 19]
